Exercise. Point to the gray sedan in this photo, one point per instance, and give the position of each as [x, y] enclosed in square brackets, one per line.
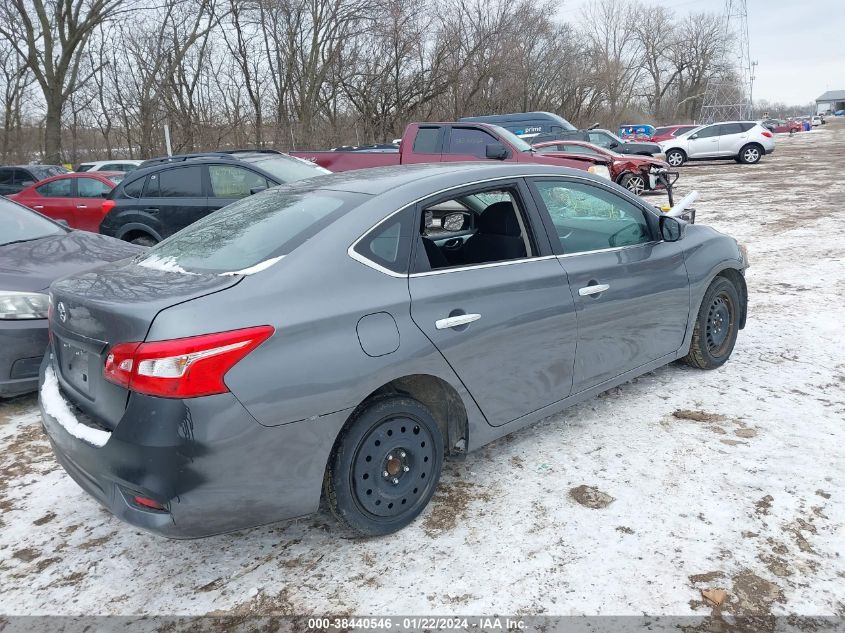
[338, 337]
[34, 251]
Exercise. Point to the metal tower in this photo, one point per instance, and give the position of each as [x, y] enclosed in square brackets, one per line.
[728, 95]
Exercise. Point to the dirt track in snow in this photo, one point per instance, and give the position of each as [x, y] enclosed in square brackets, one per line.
[631, 503]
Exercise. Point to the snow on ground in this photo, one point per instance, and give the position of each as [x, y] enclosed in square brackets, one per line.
[731, 479]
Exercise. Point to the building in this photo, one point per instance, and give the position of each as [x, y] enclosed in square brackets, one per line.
[831, 101]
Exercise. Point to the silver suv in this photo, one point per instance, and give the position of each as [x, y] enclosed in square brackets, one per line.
[744, 141]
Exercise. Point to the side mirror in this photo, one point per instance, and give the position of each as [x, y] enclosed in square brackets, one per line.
[256, 190]
[496, 151]
[671, 228]
[613, 145]
[693, 137]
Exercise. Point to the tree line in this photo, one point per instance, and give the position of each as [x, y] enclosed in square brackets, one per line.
[100, 79]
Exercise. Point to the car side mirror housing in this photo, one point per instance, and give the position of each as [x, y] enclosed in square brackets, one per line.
[496, 151]
[613, 145]
[693, 137]
[256, 190]
[671, 228]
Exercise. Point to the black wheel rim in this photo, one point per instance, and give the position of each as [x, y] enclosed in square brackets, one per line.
[393, 467]
[720, 324]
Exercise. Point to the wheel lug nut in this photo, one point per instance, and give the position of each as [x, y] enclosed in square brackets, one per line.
[402, 454]
[386, 474]
[395, 481]
[390, 457]
[406, 468]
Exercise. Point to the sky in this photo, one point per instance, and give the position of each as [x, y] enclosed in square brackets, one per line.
[799, 45]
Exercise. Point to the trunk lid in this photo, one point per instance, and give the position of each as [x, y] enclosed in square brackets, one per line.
[113, 304]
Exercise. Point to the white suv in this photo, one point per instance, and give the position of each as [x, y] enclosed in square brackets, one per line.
[109, 165]
[744, 141]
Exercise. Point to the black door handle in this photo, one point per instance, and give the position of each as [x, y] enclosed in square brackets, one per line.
[152, 210]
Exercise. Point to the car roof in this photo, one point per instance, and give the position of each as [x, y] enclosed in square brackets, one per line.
[379, 180]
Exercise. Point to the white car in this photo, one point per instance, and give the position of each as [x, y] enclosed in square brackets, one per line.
[816, 121]
[744, 141]
[109, 165]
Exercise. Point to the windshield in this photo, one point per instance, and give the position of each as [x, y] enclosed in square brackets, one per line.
[287, 168]
[513, 139]
[251, 231]
[19, 224]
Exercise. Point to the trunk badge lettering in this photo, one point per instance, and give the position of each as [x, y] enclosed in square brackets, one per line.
[62, 312]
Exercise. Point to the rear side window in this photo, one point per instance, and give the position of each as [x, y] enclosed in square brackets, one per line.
[730, 128]
[389, 244]
[133, 189]
[426, 140]
[254, 230]
[55, 189]
[661, 130]
[749, 124]
[84, 167]
[181, 182]
[6, 176]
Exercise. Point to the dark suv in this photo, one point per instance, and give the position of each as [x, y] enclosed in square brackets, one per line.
[15, 178]
[167, 194]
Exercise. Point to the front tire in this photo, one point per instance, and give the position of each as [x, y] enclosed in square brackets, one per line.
[716, 326]
[750, 154]
[385, 466]
[675, 157]
[634, 183]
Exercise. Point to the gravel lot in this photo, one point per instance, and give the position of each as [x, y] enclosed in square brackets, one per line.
[731, 479]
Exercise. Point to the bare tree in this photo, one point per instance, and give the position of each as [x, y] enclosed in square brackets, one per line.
[51, 38]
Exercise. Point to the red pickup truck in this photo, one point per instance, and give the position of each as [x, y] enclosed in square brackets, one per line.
[451, 142]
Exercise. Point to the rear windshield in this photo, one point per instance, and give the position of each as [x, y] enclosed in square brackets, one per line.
[252, 231]
[287, 168]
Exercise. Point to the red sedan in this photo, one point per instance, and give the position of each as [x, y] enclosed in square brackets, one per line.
[76, 198]
[636, 173]
[668, 132]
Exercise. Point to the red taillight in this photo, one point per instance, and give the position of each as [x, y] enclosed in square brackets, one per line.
[767, 134]
[108, 205]
[184, 367]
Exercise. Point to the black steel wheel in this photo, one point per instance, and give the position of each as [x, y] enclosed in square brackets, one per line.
[716, 327]
[385, 466]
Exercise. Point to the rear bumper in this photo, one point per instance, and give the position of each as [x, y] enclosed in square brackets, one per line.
[206, 460]
[22, 346]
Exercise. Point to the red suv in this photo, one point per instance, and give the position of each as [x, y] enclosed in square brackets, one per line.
[74, 198]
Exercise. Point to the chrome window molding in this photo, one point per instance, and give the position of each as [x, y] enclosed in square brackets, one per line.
[386, 271]
[609, 249]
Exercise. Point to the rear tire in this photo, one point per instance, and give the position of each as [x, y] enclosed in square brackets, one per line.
[675, 157]
[750, 154]
[143, 240]
[716, 326]
[385, 466]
